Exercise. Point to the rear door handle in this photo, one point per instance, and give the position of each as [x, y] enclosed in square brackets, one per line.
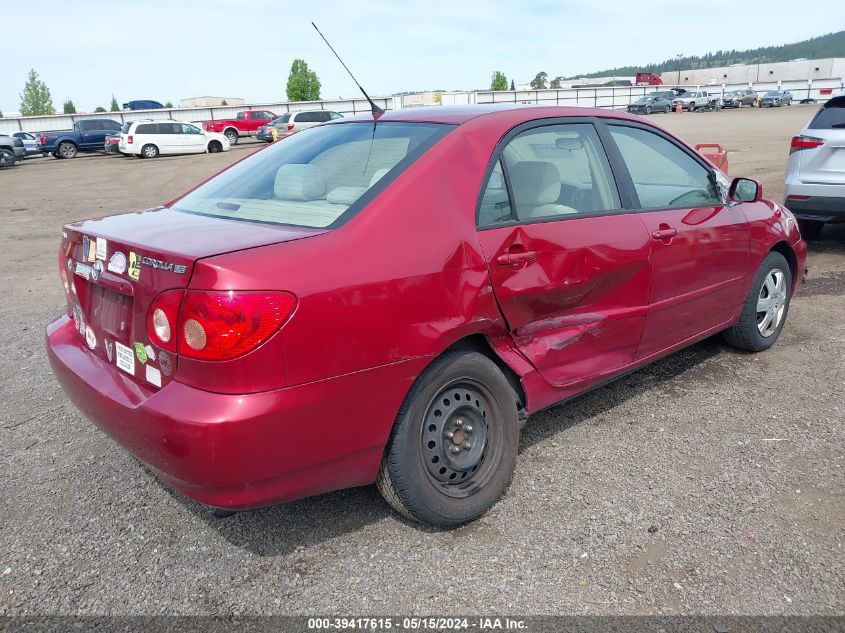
[664, 234]
[515, 259]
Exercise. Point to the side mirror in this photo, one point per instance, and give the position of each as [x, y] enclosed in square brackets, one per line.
[745, 190]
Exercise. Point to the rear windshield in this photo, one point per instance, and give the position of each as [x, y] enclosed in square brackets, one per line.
[281, 119]
[829, 117]
[125, 127]
[314, 177]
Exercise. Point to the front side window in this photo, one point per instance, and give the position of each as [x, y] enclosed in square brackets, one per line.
[190, 129]
[559, 170]
[315, 176]
[664, 175]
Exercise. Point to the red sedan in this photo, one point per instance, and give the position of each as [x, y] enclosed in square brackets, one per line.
[388, 300]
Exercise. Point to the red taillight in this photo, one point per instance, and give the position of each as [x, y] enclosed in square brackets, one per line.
[290, 126]
[217, 325]
[163, 319]
[804, 142]
[43, 139]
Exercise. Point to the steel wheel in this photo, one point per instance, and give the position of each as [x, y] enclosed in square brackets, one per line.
[456, 439]
[771, 303]
[232, 136]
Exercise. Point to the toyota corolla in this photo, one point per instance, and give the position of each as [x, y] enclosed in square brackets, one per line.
[388, 299]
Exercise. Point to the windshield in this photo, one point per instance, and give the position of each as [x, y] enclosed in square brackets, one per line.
[313, 177]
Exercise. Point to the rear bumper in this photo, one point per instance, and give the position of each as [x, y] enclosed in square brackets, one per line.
[821, 208]
[238, 451]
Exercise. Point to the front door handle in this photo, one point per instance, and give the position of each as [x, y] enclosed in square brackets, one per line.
[516, 259]
[664, 233]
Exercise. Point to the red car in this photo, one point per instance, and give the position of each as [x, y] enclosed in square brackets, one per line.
[388, 300]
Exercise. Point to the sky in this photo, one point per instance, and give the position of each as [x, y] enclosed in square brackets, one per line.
[87, 50]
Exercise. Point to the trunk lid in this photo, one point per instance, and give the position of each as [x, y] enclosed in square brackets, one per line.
[119, 264]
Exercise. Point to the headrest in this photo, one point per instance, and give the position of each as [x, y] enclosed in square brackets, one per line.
[380, 173]
[345, 195]
[300, 182]
[534, 182]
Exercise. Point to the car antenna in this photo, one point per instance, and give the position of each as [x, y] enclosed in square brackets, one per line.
[377, 111]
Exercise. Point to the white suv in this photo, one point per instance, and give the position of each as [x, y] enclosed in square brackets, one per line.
[815, 173]
[149, 138]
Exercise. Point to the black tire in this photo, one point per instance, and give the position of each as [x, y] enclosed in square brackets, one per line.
[214, 147]
[7, 158]
[691, 107]
[746, 334]
[232, 135]
[648, 109]
[810, 229]
[668, 109]
[67, 150]
[149, 151]
[448, 480]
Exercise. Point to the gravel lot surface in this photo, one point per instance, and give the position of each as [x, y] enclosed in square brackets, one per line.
[709, 483]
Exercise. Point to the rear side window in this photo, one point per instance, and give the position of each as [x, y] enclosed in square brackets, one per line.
[495, 205]
[664, 175]
[169, 128]
[829, 117]
[559, 170]
[146, 128]
[308, 117]
[315, 176]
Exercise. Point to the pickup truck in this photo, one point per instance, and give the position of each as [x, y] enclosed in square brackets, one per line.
[87, 135]
[245, 123]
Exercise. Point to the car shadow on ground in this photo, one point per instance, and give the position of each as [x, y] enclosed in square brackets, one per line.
[280, 530]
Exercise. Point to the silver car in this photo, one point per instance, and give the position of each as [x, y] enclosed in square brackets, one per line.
[693, 99]
[293, 122]
[815, 173]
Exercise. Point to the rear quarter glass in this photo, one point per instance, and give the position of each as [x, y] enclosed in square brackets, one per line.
[317, 178]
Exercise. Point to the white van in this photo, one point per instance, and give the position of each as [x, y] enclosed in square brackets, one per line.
[148, 139]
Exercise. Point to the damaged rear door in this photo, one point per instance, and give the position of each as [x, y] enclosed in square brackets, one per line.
[569, 266]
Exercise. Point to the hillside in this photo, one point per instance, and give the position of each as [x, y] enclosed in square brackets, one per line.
[830, 45]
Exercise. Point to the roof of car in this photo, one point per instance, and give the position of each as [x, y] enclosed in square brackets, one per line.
[461, 114]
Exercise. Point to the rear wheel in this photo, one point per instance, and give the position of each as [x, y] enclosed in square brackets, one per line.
[67, 150]
[453, 448]
[764, 311]
[149, 151]
[691, 107]
[810, 229]
[668, 109]
[648, 109]
[232, 135]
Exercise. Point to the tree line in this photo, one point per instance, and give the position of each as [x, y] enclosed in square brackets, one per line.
[36, 99]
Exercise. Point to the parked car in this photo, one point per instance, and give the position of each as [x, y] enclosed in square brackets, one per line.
[30, 143]
[815, 172]
[693, 99]
[13, 149]
[651, 103]
[776, 98]
[386, 300]
[143, 104]
[112, 144]
[148, 139]
[293, 122]
[739, 98]
[245, 123]
[87, 135]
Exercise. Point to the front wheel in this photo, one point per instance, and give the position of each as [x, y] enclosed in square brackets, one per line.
[648, 109]
[691, 107]
[214, 147]
[764, 311]
[7, 158]
[452, 451]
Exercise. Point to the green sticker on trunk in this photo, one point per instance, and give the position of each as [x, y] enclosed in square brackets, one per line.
[141, 353]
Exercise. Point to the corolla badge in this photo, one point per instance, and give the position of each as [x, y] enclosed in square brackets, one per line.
[163, 265]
